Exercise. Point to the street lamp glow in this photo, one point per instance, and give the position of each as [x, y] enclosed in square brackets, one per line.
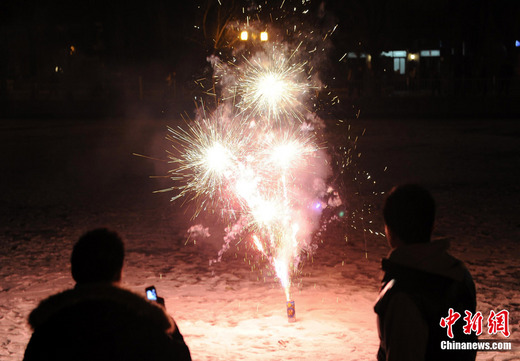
[244, 35]
[263, 36]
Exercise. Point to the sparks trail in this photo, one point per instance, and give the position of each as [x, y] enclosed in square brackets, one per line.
[258, 158]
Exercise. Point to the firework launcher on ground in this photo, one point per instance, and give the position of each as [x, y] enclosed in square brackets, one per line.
[291, 312]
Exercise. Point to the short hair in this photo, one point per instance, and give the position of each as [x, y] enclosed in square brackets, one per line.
[97, 257]
[409, 212]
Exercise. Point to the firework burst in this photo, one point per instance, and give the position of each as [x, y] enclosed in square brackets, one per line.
[204, 159]
[272, 88]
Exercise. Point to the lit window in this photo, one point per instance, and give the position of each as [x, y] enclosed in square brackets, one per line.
[399, 65]
[430, 53]
[394, 53]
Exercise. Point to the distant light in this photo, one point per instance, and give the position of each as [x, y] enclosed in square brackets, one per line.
[394, 53]
[517, 44]
[413, 56]
[263, 36]
[56, 69]
[244, 35]
[72, 49]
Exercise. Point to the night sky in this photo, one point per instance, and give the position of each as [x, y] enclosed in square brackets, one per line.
[123, 33]
[111, 53]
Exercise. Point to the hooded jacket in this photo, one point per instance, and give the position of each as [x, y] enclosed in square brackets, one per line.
[103, 322]
[420, 284]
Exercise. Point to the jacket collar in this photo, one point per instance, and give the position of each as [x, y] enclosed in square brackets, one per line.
[431, 257]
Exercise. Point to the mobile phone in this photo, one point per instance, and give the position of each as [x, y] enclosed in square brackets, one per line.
[151, 293]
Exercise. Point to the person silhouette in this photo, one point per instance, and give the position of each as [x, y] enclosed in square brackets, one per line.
[98, 319]
[422, 284]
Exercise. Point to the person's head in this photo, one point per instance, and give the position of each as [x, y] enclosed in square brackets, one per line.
[409, 214]
[98, 257]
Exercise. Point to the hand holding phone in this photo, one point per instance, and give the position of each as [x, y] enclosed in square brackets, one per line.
[151, 294]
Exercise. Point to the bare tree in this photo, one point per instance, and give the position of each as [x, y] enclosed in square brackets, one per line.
[216, 20]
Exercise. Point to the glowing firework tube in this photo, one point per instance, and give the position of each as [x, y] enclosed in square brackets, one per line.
[291, 311]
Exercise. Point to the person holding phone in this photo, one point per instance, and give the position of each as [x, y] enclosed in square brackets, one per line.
[98, 319]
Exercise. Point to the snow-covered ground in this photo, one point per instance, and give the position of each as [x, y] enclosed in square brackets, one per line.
[63, 177]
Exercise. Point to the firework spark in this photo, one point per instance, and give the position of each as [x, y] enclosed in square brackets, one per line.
[272, 88]
[204, 159]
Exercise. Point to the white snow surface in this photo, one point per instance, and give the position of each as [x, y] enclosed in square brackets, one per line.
[63, 177]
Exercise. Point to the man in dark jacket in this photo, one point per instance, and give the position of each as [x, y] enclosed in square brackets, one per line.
[98, 320]
[421, 283]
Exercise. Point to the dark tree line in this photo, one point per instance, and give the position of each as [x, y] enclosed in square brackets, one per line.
[36, 37]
